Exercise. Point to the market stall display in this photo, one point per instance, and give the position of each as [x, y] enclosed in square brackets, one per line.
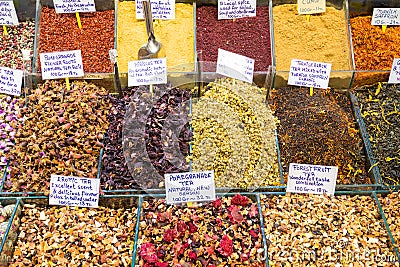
[325, 38]
[320, 129]
[60, 32]
[379, 105]
[176, 36]
[320, 230]
[234, 135]
[61, 132]
[65, 236]
[224, 232]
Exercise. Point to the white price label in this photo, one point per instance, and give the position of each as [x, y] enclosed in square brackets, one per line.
[56, 65]
[74, 191]
[147, 71]
[8, 16]
[311, 179]
[235, 66]
[394, 76]
[309, 73]
[386, 16]
[160, 9]
[68, 6]
[10, 81]
[235, 9]
[311, 7]
[189, 187]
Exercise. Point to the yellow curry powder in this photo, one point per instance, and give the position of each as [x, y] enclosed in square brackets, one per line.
[176, 36]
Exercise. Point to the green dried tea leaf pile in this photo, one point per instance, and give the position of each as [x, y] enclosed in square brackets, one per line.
[320, 130]
[234, 135]
[61, 133]
[380, 109]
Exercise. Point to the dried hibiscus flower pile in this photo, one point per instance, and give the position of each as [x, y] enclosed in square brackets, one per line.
[221, 233]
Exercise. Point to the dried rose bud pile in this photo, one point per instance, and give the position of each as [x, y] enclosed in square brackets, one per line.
[156, 134]
[391, 208]
[19, 37]
[234, 135]
[9, 117]
[61, 133]
[225, 232]
[62, 236]
[318, 230]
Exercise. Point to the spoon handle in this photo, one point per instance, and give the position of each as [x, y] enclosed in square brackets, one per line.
[149, 18]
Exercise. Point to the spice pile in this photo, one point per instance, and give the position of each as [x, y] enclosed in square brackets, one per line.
[373, 49]
[225, 232]
[391, 207]
[324, 39]
[234, 135]
[60, 132]
[249, 36]
[176, 36]
[320, 130]
[62, 236]
[155, 136]
[19, 37]
[379, 108]
[318, 230]
[60, 32]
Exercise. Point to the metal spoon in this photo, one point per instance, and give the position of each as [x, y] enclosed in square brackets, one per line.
[151, 49]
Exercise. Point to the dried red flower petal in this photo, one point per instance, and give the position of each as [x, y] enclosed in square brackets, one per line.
[235, 216]
[192, 255]
[192, 228]
[253, 210]
[216, 203]
[226, 246]
[181, 227]
[169, 235]
[253, 233]
[218, 221]
[240, 200]
[148, 253]
[161, 264]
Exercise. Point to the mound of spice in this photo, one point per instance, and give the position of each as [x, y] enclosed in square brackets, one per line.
[234, 135]
[249, 36]
[320, 230]
[155, 135]
[225, 232]
[63, 236]
[373, 49]
[60, 132]
[320, 130]
[60, 32]
[379, 110]
[19, 37]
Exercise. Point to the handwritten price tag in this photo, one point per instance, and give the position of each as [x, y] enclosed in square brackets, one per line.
[311, 7]
[234, 9]
[189, 187]
[386, 16]
[235, 66]
[311, 179]
[8, 16]
[147, 71]
[68, 6]
[10, 81]
[309, 73]
[74, 191]
[160, 9]
[394, 76]
[56, 65]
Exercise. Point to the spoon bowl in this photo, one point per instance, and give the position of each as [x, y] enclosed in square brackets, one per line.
[151, 49]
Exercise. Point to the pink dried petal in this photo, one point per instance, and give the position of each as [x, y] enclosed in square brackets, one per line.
[226, 246]
[240, 200]
[253, 210]
[192, 255]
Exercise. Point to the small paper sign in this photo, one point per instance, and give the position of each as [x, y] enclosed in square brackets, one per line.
[311, 6]
[394, 76]
[386, 16]
[10, 81]
[147, 71]
[160, 9]
[74, 191]
[8, 16]
[235, 66]
[56, 65]
[68, 6]
[234, 9]
[309, 73]
[189, 187]
[311, 179]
